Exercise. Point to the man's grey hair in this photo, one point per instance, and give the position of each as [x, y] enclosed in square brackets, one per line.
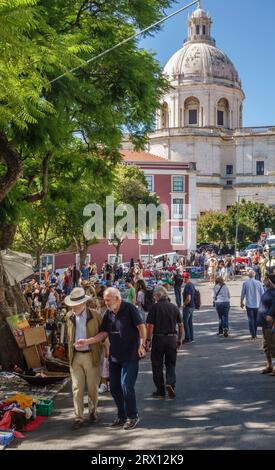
[251, 274]
[113, 292]
[160, 292]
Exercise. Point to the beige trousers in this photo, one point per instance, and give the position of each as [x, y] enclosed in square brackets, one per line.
[83, 372]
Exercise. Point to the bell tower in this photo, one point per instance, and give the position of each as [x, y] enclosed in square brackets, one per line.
[199, 27]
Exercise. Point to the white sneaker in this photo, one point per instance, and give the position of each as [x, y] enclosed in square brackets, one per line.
[103, 388]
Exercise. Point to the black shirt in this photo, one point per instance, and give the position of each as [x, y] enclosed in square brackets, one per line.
[177, 280]
[164, 316]
[123, 332]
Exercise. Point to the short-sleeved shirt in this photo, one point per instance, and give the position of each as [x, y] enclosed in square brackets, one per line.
[189, 289]
[178, 280]
[164, 316]
[123, 332]
[131, 294]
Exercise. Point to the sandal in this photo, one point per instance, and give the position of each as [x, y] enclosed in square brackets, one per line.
[267, 370]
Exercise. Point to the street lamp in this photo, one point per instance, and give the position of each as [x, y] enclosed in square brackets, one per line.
[237, 225]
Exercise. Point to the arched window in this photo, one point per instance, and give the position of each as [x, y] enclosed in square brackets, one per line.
[164, 116]
[191, 111]
[198, 29]
[223, 113]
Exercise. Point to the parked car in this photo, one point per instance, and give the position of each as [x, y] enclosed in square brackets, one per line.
[208, 247]
[251, 246]
[159, 259]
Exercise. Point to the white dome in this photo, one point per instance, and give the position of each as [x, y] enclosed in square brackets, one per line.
[199, 13]
[201, 62]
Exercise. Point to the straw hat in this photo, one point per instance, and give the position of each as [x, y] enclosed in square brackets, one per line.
[76, 297]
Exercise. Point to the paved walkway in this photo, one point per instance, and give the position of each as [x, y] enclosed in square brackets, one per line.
[222, 401]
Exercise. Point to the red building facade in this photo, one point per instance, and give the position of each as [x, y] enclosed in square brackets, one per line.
[175, 185]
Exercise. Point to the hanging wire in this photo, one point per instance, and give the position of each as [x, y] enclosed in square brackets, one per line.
[162, 20]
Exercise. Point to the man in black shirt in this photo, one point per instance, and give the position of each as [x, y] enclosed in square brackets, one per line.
[162, 321]
[177, 281]
[123, 324]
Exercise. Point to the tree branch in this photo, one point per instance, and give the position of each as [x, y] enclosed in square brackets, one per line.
[80, 11]
[45, 180]
[14, 166]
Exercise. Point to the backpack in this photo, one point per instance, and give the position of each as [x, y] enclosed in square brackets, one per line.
[148, 299]
[197, 299]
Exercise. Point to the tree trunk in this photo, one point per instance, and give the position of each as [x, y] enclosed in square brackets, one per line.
[12, 301]
[83, 253]
[7, 234]
[38, 257]
[9, 155]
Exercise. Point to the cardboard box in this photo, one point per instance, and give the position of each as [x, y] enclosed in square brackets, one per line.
[35, 336]
[32, 357]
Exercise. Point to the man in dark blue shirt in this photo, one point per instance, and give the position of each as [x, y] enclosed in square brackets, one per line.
[123, 324]
[188, 308]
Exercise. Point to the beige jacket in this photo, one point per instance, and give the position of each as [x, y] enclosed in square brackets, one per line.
[94, 321]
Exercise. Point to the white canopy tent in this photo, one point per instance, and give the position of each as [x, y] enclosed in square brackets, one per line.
[17, 265]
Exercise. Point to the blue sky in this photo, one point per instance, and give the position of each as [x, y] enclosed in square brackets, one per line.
[244, 30]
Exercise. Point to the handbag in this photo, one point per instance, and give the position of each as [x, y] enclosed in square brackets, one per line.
[214, 301]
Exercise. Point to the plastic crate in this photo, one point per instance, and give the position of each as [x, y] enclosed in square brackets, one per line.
[44, 408]
[6, 437]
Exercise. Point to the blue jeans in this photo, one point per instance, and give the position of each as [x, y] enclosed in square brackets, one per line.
[178, 296]
[123, 376]
[223, 312]
[187, 314]
[252, 320]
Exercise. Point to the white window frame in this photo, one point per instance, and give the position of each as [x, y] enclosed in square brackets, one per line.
[150, 239]
[262, 162]
[183, 235]
[47, 255]
[183, 184]
[175, 209]
[110, 256]
[153, 182]
[77, 259]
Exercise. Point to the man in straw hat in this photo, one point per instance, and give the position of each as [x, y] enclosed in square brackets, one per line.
[123, 324]
[83, 322]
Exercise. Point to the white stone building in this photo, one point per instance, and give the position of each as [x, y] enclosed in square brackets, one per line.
[201, 121]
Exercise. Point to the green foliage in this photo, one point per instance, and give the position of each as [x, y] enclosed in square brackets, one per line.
[254, 217]
[42, 39]
[220, 227]
[214, 227]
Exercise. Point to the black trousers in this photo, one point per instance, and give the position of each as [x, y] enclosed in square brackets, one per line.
[164, 349]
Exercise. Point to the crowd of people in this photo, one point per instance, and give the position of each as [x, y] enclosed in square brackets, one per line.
[115, 318]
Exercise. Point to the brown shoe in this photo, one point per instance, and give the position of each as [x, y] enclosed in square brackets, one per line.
[77, 425]
[171, 391]
[93, 418]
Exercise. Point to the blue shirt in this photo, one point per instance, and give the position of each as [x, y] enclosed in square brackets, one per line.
[123, 332]
[252, 291]
[85, 274]
[267, 307]
[81, 329]
[189, 289]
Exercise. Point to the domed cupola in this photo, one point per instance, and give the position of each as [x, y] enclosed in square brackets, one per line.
[205, 86]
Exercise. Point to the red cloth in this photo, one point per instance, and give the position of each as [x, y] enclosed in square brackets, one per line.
[33, 425]
[5, 423]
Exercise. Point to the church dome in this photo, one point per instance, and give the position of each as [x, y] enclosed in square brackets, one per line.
[199, 13]
[201, 62]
